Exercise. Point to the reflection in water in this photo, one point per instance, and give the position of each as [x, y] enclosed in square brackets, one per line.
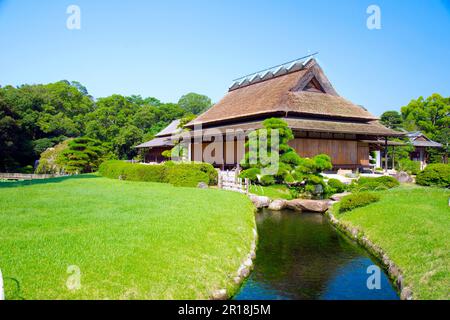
[300, 256]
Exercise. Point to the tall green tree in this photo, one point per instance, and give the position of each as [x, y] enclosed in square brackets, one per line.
[83, 155]
[392, 119]
[195, 103]
[432, 117]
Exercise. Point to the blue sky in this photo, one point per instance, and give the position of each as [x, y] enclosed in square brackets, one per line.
[171, 47]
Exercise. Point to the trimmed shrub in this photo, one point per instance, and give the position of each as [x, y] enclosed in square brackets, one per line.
[409, 166]
[369, 186]
[337, 186]
[251, 174]
[183, 176]
[116, 169]
[178, 174]
[435, 175]
[357, 200]
[267, 180]
[380, 183]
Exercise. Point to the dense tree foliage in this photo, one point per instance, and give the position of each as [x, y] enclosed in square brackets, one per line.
[392, 119]
[34, 118]
[194, 103]
[431, 116]
[300, 174]
[82, 155]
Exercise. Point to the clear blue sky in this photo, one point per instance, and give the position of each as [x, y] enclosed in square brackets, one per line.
[171, 47]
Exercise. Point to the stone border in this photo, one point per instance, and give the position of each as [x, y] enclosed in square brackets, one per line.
[243, 271]
[394, 272]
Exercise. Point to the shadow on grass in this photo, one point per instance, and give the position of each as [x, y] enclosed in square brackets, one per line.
[45, 181]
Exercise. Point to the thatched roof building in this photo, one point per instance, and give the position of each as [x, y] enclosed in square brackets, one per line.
[301, 94]
[163, 141]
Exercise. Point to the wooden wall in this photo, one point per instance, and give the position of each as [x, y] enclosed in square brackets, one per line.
[345, 153]
[227, 153]
[155, 154]
[342, 152]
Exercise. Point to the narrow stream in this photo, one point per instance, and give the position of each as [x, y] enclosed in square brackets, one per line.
[301, 256]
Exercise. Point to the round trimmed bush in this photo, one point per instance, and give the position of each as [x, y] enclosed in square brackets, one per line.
[357, 200]
[435, 175]
[337, 185]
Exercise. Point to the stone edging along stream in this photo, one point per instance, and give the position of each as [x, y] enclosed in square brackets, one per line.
[392, 269]
[243, 271]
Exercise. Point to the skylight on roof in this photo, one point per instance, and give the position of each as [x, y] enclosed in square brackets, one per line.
[287, 67]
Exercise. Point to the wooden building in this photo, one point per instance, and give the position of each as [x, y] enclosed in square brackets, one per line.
[152, 150]
[299, 93]
[421, 144]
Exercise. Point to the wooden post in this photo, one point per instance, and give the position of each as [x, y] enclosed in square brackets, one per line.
[393, 157]
[2, 292]
[385, 154]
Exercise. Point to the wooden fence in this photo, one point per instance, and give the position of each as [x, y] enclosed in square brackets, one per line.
[229, 180]
[26, 176]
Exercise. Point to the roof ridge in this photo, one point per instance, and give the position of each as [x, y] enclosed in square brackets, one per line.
[273, 72]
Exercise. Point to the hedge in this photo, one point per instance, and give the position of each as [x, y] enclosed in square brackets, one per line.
[357, 200]
[435, 175]
[374, 184]
[178, 174]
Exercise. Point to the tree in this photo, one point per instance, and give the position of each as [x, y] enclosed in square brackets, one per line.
[301, 174]
[194, 103]
[82, 155]
[432, 117]
[392, 119]
[51, 160]
[127, 138]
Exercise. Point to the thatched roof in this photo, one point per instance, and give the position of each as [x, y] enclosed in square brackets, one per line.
[305, 91]
[163, 138]
[157, 142]
[172, 128]
[418, 139]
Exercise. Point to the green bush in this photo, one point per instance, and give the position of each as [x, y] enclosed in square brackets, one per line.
[435, 175]
[251, 174]
[369, 186]
[116, 169]
[357, 200]
[380, 183]
[337, 186]
[182, 176]
[267, 180]
[409, 166]
[178, 174]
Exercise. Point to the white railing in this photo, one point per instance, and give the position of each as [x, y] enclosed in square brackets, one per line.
[229, 180]
[2, 291]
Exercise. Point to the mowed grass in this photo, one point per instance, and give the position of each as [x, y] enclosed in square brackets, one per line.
[130, 240]
[273, 192]
[412, 225]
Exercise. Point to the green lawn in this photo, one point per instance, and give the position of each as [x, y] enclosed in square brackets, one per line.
[273, 192]
[412, 225]
[130, 240]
